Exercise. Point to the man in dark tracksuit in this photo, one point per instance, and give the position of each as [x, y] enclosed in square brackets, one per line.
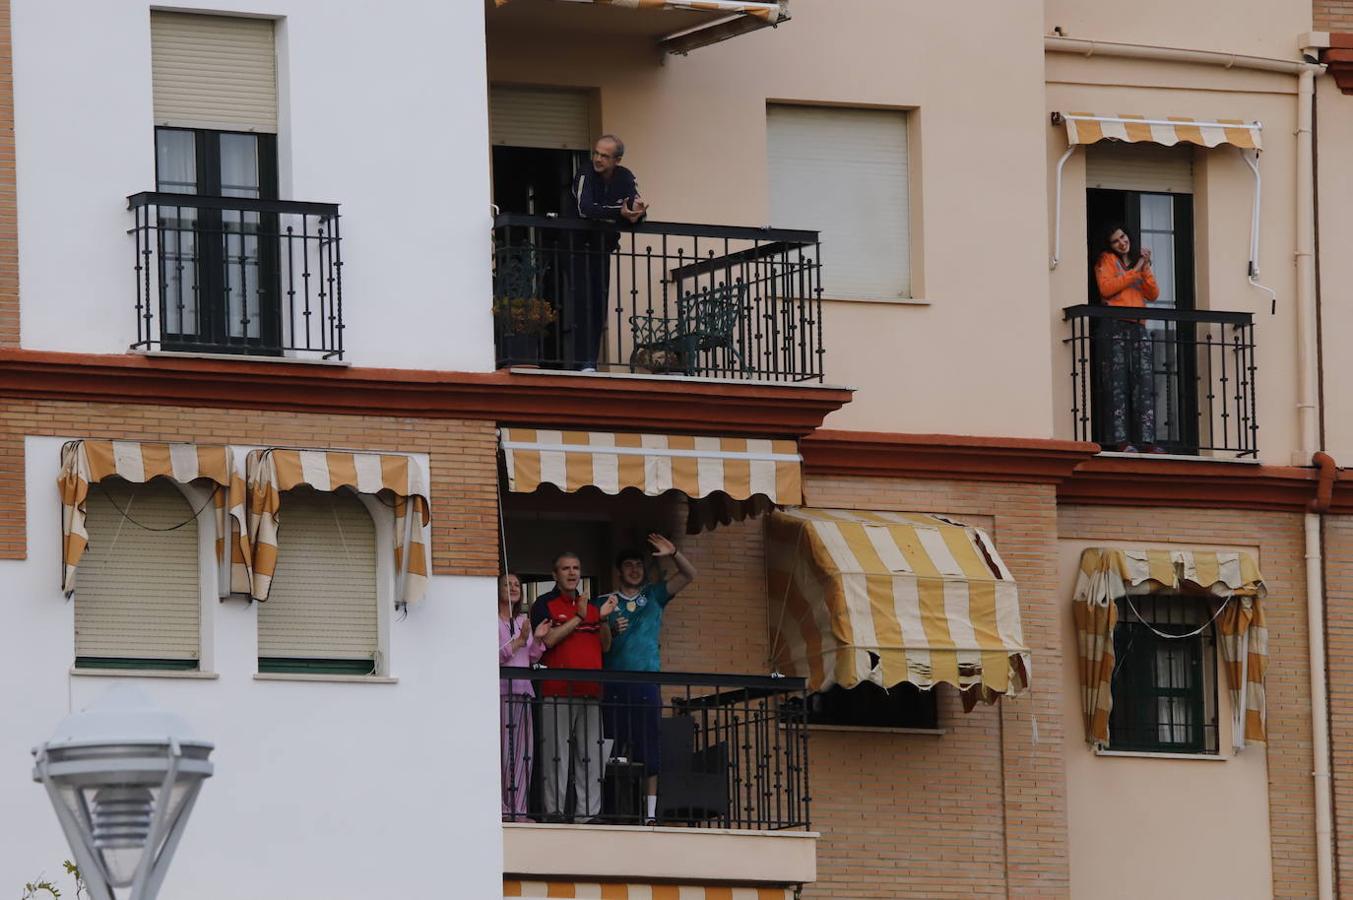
[608, 192]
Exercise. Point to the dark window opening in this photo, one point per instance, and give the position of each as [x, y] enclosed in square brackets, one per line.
[869, 706]
[1165, 676]
[1144, 371]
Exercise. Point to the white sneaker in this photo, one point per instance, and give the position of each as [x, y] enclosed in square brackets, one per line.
[587, 369]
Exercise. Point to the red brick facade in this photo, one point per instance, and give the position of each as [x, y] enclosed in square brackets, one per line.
[462, 458]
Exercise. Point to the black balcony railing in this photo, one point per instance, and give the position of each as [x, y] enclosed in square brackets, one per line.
[701, 300]
[1172, 380]
[237, 275]
[728, 751]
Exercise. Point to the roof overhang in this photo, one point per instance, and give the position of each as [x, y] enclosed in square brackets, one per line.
[673, 26]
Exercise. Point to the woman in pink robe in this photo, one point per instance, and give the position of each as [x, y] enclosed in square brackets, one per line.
[517, 646]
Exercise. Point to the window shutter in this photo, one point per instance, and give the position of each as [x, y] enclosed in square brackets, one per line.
[538, 117]
[323, 599]
[138, 594]
[1139, 167]
[843, 172]
[214, 72]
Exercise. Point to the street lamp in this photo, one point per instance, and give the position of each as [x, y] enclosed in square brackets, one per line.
[123, 775]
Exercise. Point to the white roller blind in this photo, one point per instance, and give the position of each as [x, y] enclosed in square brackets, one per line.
[214, 72]
[843, 172]
[138, 595]
[539, 117]
[323, 599]
[1139, 167]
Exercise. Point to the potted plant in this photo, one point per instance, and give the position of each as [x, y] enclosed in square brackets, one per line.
[522, 323]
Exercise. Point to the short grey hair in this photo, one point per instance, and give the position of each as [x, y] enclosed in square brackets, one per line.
[619, 144]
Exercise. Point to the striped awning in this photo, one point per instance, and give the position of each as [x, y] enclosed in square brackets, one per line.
[1088, 128]
[1107, 575]
[770, 12]
[615, 890]
[889, 597]
[87, 462]
[740, 469]
[272, 471]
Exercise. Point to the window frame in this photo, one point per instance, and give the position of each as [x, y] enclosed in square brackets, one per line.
[832, 708]
[1134, 723]
[198, 498]
[209, 256]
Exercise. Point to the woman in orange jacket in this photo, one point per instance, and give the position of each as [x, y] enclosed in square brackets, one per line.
[1124, 348]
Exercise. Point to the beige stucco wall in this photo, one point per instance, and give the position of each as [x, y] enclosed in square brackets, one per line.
[1224, 191]
[1188, 827]
[1334, 135]
[696, 136]
[1251, 27]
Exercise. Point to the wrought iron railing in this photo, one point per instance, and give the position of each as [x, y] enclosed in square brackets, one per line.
[1165, 380]
[700, 300]
[728, 751]
[237, 275]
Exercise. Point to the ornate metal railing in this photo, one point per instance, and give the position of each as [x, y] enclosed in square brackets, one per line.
[728, 751]
[237, 275]
[658, 297]
[1166, 380]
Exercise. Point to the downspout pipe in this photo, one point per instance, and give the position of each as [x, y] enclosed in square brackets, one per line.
[1308, 375]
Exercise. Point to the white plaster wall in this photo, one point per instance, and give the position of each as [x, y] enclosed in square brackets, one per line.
[321, 789]
[383, 111]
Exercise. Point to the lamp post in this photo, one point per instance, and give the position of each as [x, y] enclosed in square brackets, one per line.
[123, 775]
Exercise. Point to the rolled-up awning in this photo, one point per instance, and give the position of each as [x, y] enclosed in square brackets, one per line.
[269, 472]
[890, 597]
[770, 12]
[88, 462]
[737, 469]
[1089, 128]
[614, 890]
[1232, 578]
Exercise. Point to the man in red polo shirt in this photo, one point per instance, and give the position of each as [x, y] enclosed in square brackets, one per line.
[571, 710]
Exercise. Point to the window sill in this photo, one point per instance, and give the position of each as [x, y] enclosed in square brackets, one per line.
[879, 729]
[339, 679]
[241, 357]
[190, 674]
[1145, 754]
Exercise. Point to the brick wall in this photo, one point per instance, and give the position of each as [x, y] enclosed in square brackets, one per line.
[912, 815]
[1339, 628]
[1333, 15]
[1279, 538]
[462, 458]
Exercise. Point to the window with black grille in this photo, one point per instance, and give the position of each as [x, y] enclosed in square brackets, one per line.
[1165, 676]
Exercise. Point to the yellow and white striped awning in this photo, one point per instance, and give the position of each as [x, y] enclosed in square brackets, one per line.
[269, 472]
[615, 890]
[770, 12]
[1232, 577]
[88, 462]
[1088, 128]
[742, 468]
[889, 597]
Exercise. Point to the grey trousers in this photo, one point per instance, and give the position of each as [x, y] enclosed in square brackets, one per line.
[571, 734]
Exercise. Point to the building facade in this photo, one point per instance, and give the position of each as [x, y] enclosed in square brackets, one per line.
[295, 360]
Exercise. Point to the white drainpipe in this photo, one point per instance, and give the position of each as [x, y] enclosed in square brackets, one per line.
[1307, 363]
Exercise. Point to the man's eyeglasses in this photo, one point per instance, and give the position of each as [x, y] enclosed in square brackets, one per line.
[597, 154]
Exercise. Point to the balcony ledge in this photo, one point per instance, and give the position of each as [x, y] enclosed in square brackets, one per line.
[541, 399]
[619, 852]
